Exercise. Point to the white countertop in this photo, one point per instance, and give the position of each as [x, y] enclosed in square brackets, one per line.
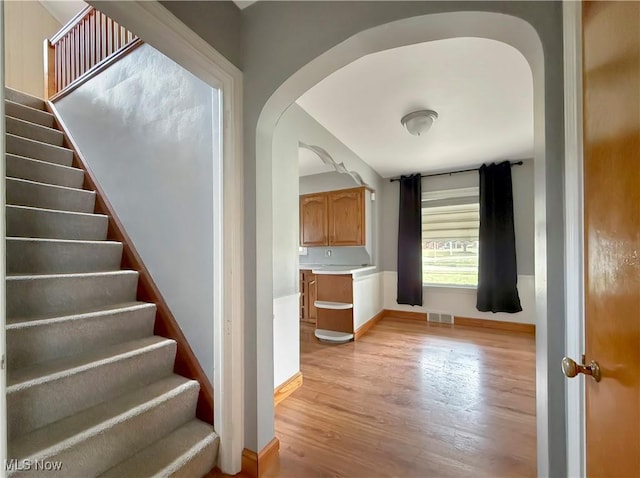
[348, 269]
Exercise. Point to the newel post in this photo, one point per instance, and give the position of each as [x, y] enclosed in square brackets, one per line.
[49, 55]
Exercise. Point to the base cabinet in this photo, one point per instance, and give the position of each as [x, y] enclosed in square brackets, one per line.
[335, 290]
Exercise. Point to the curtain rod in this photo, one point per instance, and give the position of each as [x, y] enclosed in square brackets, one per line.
[514, 163]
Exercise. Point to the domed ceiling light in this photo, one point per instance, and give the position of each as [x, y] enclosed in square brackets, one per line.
[419, 122]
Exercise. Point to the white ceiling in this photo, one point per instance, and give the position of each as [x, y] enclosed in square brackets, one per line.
[482, 90]
[63, 10]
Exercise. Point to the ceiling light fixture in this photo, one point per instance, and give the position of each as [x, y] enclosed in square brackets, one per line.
[419, 122]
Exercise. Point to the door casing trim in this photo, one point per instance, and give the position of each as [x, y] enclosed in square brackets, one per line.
[574, 234]
[3, 275]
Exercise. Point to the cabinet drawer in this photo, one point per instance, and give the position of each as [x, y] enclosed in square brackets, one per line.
[334, 288]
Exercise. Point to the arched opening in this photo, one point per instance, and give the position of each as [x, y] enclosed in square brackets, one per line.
[504, 28]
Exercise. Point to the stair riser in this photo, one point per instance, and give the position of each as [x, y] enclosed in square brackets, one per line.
[28, 114]
[54, 257]
[23, 193]
[121, 441]
[43, 172]
[30, 345]
[54, 296]
[23, 99]
[34, 131]
[36, 150]
[38, 405]
[22, 222]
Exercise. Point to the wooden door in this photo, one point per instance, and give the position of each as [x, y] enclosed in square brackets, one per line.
[611, 75]
[346, 217]
[313, 220]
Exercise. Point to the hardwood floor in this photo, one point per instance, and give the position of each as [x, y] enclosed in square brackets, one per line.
[413, 400]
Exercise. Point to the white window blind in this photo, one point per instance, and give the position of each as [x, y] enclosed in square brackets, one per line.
[451, 214]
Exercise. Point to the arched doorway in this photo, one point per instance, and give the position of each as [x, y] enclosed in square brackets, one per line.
[508, 29]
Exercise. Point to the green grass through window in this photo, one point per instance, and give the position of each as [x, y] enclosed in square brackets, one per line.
[447, 264]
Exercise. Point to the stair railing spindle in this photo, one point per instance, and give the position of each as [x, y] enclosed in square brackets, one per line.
[88, 43]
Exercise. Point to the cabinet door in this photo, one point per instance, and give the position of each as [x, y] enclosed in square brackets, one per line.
[313, 220]
[346, 217]
[303, 295]
[312, 314]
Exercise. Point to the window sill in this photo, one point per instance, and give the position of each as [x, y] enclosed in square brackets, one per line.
[467, 288]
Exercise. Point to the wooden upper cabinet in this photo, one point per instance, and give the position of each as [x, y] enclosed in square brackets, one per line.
[346, 217]
[313, 220]
[334, 218]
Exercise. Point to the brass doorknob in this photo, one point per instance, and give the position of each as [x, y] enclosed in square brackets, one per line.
[571, 368]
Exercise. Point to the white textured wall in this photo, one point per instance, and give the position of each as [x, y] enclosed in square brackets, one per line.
[461, 301]
[286, 338]
[26, 25]
[285, 206]
[149, 132]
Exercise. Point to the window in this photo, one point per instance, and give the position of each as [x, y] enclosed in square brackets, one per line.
[450, 221]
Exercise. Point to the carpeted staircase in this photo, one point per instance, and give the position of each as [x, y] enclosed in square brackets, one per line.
[89, 385]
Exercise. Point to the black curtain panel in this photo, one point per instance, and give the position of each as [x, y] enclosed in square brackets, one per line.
[497, 270]
[410, 241]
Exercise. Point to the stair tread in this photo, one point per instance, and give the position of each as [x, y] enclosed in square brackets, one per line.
[167, 455]
[15, 118]
[47, 163]
[37, 256]
[66, 241]
[12, 92]
[17, 277]
[47, 185]
[27, 192]
[56, 211]
[52, 370]
[47, 145]
[76, 428]
[124, 307]
[28, 107]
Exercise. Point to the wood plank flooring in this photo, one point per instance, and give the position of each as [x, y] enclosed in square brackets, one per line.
[412, 400]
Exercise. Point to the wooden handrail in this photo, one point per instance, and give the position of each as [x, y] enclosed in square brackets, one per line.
[81, 48]
[71, 24]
